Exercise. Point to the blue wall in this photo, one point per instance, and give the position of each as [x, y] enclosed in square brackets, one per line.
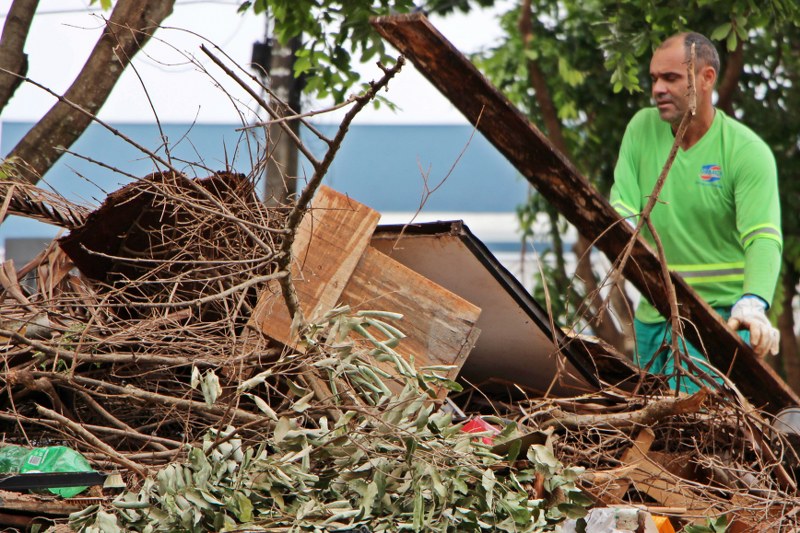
[380, 166]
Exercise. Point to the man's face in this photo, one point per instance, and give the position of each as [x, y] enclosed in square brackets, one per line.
[670, 84]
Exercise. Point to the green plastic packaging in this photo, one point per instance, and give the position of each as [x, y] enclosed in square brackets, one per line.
[19, 460]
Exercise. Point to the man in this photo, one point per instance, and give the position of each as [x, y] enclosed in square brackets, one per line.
[718, 215]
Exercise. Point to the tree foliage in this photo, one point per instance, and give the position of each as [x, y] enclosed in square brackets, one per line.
[390, 462]
[596, 55]
[337, 34]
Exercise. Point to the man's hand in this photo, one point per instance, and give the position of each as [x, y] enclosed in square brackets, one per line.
[750, 313]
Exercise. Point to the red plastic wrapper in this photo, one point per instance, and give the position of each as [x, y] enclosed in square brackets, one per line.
[479, 425]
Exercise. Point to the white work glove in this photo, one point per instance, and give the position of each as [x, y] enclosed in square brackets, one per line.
[750, 313]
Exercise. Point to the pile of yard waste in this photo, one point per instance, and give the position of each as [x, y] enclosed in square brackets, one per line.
[132, 341]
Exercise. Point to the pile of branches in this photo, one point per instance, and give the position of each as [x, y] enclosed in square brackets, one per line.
[131, 341]
[145, 360]
[104, 357]
[367, 456]
[117, 356]
[150, 365]
[724, 460]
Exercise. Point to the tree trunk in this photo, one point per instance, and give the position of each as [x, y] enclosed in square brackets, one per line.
[12, 57]
[603, 326]
[602, 323]
[281, 175]
[728, 83]
[131, 24]
[790, 355]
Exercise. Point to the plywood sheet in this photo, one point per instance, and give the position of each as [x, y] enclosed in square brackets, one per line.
[440, 325]
[516, 346]
[330, 241]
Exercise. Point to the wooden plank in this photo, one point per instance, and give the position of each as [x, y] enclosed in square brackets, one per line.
[634, 455]
[564, 187]
[655, 481]
[440, 325]
[45, 504]
[330, 241]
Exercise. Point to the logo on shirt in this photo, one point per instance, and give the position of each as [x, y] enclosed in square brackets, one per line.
[711, 174]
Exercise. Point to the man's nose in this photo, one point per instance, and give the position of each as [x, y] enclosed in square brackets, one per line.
[659, 87]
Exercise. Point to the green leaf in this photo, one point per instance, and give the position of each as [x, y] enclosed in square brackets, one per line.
[302, 65]
[572, 510]
[720, 525]
[438, 486]
[107, 523]
[244, 507]
[697, 529]
[419, 510]
[264, 407]
[411, 447]
[731, 42]
[256, 380]
[281, 429]
[580, 498]
[210, 387]
[543, 458]
[513, 450]
[721, 31]
[303, 403]
[488, 482]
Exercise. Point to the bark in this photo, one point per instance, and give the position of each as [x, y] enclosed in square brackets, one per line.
[603, 326]
[538, 81]
[790, 355]
[726, 88]
[653, 412]
[12, 43]
[130, 26]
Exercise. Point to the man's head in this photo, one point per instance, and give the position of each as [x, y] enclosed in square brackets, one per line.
[669, 74]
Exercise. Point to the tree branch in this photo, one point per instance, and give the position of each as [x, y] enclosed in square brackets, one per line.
[299, 209]
[127, 31]
[12, 44]
[650, 415]
[729, 82]
[93, 441]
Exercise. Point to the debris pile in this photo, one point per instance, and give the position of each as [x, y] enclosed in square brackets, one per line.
[298, 369]
[154, 340]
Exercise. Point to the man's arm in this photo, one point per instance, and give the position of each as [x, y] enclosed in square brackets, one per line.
[758, 222]
[626, 196]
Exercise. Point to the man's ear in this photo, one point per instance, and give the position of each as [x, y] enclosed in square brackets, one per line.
[708, 77]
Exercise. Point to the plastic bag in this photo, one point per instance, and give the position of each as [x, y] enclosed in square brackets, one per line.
[19, 460]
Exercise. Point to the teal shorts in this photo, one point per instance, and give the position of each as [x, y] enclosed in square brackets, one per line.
[651, 337]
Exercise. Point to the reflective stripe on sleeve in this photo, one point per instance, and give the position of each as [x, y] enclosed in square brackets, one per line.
[713, 273]
[764, 231]
[624, 210]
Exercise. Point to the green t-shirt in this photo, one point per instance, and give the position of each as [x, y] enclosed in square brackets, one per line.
[719, 213]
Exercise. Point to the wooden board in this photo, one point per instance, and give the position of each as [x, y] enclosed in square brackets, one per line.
[554, 176]
[655, 481]
[440, 326]
[330, 241]
[516, 345]
[633, 456]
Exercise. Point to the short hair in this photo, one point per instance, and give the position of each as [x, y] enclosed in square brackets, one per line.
[705, 51]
